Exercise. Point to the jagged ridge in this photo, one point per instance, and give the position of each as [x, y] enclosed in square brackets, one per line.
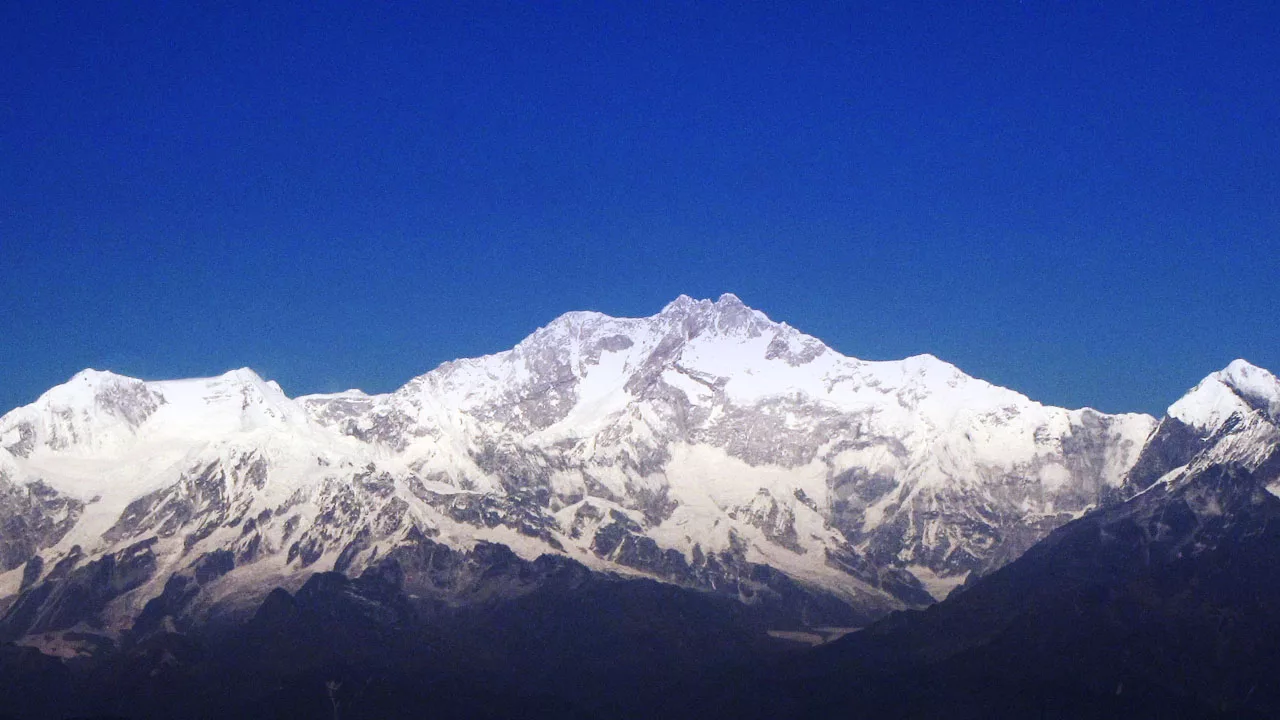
[706, 446]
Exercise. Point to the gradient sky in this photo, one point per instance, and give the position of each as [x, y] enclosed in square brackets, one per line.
[1078, 200]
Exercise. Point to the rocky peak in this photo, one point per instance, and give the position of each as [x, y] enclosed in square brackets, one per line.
[725, 316]
[681, 304]
[578, 338]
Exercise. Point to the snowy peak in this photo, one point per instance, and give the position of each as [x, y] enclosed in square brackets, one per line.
[586, 363]
[239, 400]
[89, 388]
[684, 305]
[1255, 385]
[93, 411]
[694, 364]
[102, 412]
[1240, 389]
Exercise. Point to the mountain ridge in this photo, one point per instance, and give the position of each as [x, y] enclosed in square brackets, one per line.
[1163, 604]
[696, 446]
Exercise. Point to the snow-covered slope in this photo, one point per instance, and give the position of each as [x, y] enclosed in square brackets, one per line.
[1240, 389]
[706, 446]
[1163, 605]
[709, 418]
[1232, 417]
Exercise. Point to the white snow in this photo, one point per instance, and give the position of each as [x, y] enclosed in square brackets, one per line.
[1223, 394]
[1208, 405]
[920, 422]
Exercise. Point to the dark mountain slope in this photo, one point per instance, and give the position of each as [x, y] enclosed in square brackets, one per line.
[1165, 606]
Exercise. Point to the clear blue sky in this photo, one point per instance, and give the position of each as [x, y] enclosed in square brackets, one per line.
[1079, 200]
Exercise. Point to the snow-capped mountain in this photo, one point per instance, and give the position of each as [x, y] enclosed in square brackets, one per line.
[1230, 416]
[1163, 605]
[705, 446]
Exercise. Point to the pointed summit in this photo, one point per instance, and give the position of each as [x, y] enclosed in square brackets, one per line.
[1255, 384]
[93, 411]
[681, 303]
[90, 375]
[84, 388]
[244, 374]
[1239, 388]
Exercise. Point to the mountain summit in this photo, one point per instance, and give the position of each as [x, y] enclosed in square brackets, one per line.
[1238, 389]
[706, 446]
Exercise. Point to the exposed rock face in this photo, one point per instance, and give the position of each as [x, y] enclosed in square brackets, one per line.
[73, 594]
[706, 446]
[33, 516]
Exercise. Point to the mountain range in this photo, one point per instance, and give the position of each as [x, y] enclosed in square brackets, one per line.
[699, 486]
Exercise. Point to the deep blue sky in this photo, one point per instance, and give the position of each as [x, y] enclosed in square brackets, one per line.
[1079, 200]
